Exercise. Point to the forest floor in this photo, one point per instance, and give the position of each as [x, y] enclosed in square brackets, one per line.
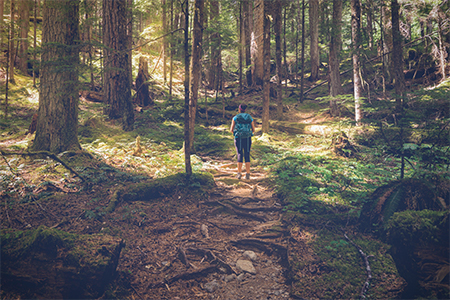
[228, 244]
[233, 241]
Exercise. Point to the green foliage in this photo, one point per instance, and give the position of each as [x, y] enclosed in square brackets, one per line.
[418, 227]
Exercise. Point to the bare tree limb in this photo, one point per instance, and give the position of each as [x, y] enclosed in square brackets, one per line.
[46, 153]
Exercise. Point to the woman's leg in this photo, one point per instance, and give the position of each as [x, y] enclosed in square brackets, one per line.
[239, 149]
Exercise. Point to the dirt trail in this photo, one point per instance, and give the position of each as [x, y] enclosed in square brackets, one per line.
[232, 246]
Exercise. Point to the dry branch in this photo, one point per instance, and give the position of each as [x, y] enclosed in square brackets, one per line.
[46, 153]
[365, 257]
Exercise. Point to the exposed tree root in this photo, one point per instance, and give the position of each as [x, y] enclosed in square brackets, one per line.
[236, 210]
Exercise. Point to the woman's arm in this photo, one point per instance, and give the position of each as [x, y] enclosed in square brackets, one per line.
[233, 124]
[253, 126]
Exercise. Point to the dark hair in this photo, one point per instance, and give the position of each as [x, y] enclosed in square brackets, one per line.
[243, 107]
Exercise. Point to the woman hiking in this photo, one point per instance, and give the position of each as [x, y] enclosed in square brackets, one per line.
[242, 127]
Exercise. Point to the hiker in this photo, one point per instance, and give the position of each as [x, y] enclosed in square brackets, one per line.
[242, 127]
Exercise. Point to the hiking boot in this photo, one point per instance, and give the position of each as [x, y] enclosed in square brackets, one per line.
[238, 176]
[247, 176]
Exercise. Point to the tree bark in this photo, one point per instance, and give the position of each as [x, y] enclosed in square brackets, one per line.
[171, 50]
[57, 123]
[277, 28]
[302, 78]
[266, 69]
[260, 17]
[356, 40]
[215, 39]
[11, 51]
[116, 82]
[142, 91]
[164, 25]
[2, 26]
[334, 61]
[240, 25]
[187, 144]
[247, 39]
[397, 56]
[197, 41]
[314, 37]
[370, 14]
[24, 24]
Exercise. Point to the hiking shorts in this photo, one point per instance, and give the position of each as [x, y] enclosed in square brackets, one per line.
[243, 146]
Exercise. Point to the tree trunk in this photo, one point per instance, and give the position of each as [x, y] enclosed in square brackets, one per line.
[266, 69]
[302, 78]
[142, 92]
[197, 40]
[442, 51]
[397, 56]
[116, 82]
[277, 28]
[35, 13]
[56, 129]
[240, 25]
[356, 40]
[187, 144]
[215, 46]
[260, 16]
[247, 40]
[164, 26]
[11, 51]
[314, 36]
[334, 61]
[2, 26]
[24, 24]
[370, 23]
[172, 28]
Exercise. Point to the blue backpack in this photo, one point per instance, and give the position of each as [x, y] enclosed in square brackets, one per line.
[243, 127]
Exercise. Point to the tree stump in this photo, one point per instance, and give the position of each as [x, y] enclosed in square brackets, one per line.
[143, 96]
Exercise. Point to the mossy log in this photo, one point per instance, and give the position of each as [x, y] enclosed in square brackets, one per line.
[148, 191]
[47, 263]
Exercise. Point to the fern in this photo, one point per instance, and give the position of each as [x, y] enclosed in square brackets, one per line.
[392, 204]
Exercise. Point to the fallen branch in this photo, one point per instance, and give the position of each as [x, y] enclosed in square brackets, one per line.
[365, 257]
[46, 153]
[184, 276]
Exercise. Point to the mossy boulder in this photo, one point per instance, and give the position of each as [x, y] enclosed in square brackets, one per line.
[46, 263]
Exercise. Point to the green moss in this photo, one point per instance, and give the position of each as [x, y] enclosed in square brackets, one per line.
[411, 227]
[21, 243]
[145, 191]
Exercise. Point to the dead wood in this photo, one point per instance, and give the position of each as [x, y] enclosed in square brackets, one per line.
[365, 257]
[182, 256]
[91, 96]
[184, 276]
